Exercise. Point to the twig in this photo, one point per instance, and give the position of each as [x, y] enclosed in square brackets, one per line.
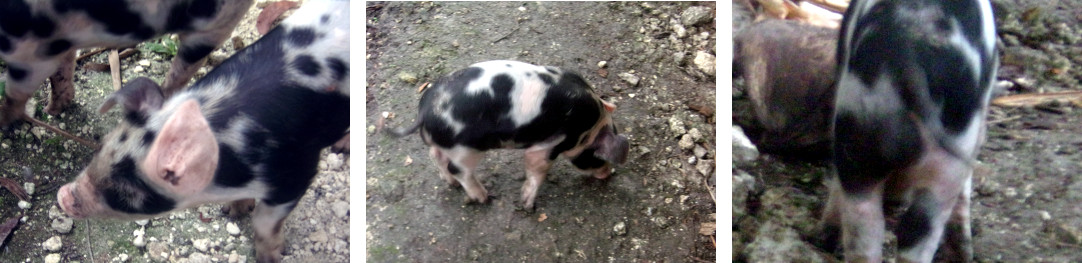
[699, 259]
[89, 247]
[91, 53]
[505, 36]
[114, 64]
[1004, 120]
[86, 142]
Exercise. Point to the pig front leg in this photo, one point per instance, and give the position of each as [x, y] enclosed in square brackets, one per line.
[267, 223]
[863, 224]
[22, 82]
[939, 183]
[63, 88]
[829, 227]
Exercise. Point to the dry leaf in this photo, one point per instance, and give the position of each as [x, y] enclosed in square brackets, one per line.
[270, 13]
[1033, 99]
[542, 217]
[15, 189]
[603, 73]
[707, 228]
[7, 227]
[422, 87]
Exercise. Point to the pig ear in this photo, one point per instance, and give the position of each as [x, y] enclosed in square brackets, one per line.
[611, 147]
[139, 95]
[184, 155]
[609, 107]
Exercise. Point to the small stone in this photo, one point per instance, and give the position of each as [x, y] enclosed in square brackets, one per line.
[37, 131]
[232, 229]
[318, 237]
[334, 162]
[602, 64]
[198, 258]
[686, 142]
[695, 134]
[52, 244]
[706, 62]
[677, 126]
[680, 31]
[158, 251]
[407, 77]
[743, 149]
[29, 187]
[24, 204]
[696, 15]
[142, 222]
[145, 63]
[62, 224]
[52, 258]
[201, 244]
[699, 151]
[1045, 215]
[620, 229]
[679, 57]
[629, 78]
[138, 69]
[340, 208]
[705, 167]
[123, 257]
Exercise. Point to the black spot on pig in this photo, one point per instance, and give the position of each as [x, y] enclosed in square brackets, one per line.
[5, 44]
[16, 73]
[114, 14]
[452, 168]
[338, 68]
[232, 172]
[302, 36]
[135, 118]
[917, 220]
[181, 16]
[148, 137]
[306, 65]
[130, 194]
[895, 136]
[192, 54]
[586, 160]
[123, 137]
[324, 19]
[56, 47]
[547, 79]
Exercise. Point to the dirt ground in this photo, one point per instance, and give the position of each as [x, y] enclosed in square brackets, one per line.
[651, 210]
[317, 229]
[1027, 187]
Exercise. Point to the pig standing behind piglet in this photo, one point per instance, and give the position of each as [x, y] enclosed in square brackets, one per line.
[914, 82]
[788, 68]
[511, 104]
[253, 128]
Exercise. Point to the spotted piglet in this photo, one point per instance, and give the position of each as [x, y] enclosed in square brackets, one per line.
[253, 128]
[511, 104]
[38, 39]
[914, 82]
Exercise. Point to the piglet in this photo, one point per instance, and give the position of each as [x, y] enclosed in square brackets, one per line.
[914, 83]
[253, 128]
[509, 104]
[788, 68]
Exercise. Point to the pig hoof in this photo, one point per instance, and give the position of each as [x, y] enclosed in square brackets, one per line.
[239, 208]
[55, 108]
[342, 146]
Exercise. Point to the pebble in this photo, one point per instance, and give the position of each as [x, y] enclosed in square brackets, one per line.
[52, 244]
[695, 134]
[142, 222]
[629, 78]
[334, 162]
[232, 229]
[145, 63]
[158, 251]
[340, 208]
[699, 151]
[678, 57]
[201, 244]
[680, 31]
[29, 187]
[706, 62]
[407, 77]
[686, 142]
[318, 236]
[198, 258]
[24, 204]
[602, 64]
[677, 126]
[620, 228]
[62, 224]
[743, 149]
[1045, 215]
[696, 15]
[137, 69]
[52, 258]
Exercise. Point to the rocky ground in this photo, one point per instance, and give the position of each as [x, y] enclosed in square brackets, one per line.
[317, 230]
[655, 61]
[1026, 189]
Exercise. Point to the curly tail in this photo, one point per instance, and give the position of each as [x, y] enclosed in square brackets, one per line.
[398, 133]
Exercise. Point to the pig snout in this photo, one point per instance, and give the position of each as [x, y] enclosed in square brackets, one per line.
[69, 203]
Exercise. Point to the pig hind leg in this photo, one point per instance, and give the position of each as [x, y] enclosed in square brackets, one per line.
[63, 91]
[191, 55]
[862, 221]
[460, 163]
[939, 183]
[829, 228]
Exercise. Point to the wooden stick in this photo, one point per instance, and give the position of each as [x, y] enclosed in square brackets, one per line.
[91, 53]
[114, 64]
[86, 142]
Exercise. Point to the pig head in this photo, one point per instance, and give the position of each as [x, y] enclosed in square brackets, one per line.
[129, 180]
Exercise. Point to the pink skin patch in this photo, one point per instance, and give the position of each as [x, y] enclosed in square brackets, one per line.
[78, 199]
[184, 156]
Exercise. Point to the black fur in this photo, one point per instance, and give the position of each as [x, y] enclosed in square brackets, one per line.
[128, 186]
[307, 65]
[114, 14]
[56, 47]
[192, 54]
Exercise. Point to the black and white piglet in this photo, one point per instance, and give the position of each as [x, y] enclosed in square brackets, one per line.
[914, 82]
[38, 39]
[511, 104]
[253, 128]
